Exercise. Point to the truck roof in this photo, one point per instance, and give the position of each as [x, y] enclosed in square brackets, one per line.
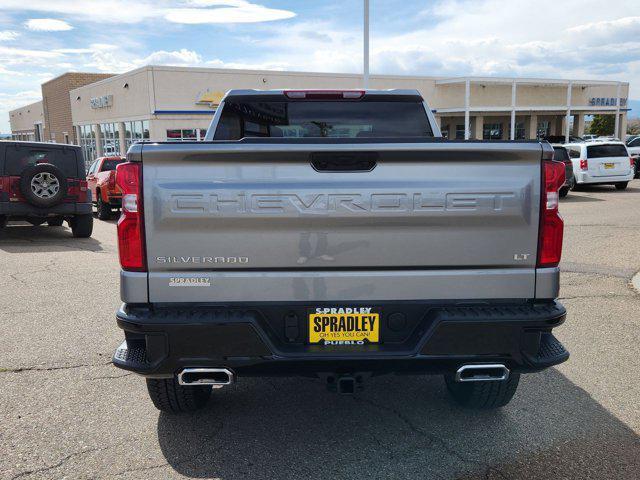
[281, 91]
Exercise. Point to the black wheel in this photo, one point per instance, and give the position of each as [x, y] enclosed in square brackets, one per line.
[564, 191]
[55, 221]
[483, 395]
[171, 397]
[3, 221]
[104, 210]
[81, 225]
[43, 185]
[621, 185]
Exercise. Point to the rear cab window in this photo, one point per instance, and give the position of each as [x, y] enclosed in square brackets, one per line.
[110, 164]
[560, 154]
[19, 157]
[277, 116]
[602, 151]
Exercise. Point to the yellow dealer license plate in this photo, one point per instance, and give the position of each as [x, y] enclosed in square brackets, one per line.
[344, 325]
[609, 165]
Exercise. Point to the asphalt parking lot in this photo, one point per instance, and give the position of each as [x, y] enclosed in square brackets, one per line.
[67, 413]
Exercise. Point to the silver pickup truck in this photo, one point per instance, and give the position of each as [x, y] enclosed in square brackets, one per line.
[335, 234]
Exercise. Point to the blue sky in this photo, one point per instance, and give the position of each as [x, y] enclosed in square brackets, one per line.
[582, 39]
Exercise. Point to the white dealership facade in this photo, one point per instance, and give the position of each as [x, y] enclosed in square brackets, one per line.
[159, 103]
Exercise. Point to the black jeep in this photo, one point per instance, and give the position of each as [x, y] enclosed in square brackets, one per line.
[44, 182]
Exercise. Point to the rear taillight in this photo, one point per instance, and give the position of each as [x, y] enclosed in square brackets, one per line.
[551, 224]
[131, 223]
[325, 94]
[631, 163]
[584, 164]
[83, 195]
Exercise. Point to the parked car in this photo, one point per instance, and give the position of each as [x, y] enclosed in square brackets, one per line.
[101, 180]
[335, 234]
[560, 154]
[560, 139]
[601, 163]
[589, 137]
[633, 147]
[44, 182]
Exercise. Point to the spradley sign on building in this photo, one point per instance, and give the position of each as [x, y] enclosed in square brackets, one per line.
[101, 102]
[606, 102]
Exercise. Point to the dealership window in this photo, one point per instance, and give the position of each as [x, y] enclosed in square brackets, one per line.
[520, 131]
[186, 134]
[87, 139]
[110, 139]
[445, 131]
[137, 131]
[492, 131]
[460, 132]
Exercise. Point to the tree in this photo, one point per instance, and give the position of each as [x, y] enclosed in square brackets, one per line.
[633, 127]
[602, 125]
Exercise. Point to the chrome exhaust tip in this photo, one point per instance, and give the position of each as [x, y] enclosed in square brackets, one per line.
[488, 372]
[216, 377]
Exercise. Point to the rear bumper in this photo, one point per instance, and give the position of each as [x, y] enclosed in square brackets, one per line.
[257, 341]
[585, 178]
[23, 209]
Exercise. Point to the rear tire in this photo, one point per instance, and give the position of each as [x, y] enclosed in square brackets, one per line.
[104, 210]
[169, 396]
[621, 185]
[81, 225]
[3, 221]
[483, 395]
[564, 191]
[55, 222]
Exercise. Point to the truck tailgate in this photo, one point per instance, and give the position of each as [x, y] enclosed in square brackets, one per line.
[429, 219]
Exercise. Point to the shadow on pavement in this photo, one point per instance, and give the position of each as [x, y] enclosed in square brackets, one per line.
[24, 238]
[572, 198]
[401, 427]
[632, 187]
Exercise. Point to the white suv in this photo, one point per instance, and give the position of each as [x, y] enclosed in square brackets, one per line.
[598, 163]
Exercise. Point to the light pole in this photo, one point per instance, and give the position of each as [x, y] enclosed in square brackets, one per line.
[365, 75]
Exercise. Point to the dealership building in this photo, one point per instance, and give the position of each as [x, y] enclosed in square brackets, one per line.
[27, 122]
[156, 103]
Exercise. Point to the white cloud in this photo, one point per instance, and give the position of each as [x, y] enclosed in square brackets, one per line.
[105, 11]
[226, 12]
[122, 11]
[19, 56]
[182, 57]
[6, 35]
[47, 25]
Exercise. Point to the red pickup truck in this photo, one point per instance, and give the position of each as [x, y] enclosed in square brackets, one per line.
[101, 180]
